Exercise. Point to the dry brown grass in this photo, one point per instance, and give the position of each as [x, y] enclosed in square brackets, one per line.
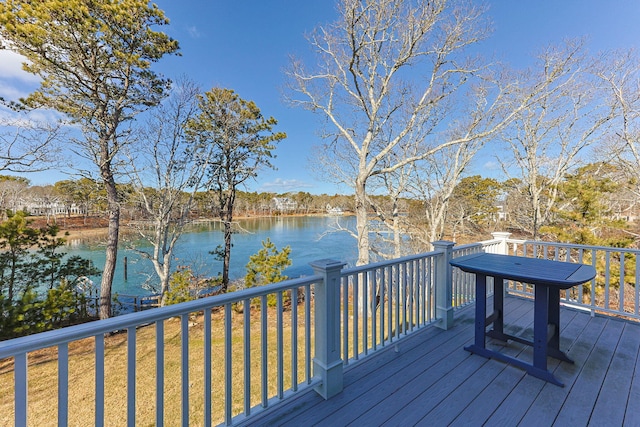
[42, 370]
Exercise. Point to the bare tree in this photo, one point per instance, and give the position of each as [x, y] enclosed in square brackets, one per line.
[387, 210]
[11, 188]
[620, 73]
[393, 73]
[27, 145]
[166, 172]
[433, 184]
[549, 135]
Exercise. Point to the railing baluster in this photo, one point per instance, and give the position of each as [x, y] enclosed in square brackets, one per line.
[398, 297]
[409, 280]
[356, 314]
[160, 373]
[247, 356]
[228, 378]
[63, 384]
[207, 367]
[580, 297]
[426, 290]
[131, 376]
[593, 281]
[636, 288]
[374, 309]
[417, 285]
[263, 338]
[607, 278]
[431, 298]
[307, 332]
[422, 289]
[345, 319]
[99, 380]
[279, 345]
[20, 388]
[184, 363]
[382, 305]
[621, 284]
[294, 339]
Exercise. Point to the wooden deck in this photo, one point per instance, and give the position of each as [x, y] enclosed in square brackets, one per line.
[430, 380]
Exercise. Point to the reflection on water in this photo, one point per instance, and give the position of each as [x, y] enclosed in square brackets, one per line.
[310, 238]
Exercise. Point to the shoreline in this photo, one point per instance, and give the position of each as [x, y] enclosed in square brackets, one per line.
[83, 232]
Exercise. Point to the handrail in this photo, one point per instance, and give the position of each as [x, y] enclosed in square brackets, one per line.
[29, 343]
[613, 291]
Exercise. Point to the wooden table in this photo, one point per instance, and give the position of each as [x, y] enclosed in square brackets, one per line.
[548, 277]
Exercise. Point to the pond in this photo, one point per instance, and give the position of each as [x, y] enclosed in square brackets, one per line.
[310, 238]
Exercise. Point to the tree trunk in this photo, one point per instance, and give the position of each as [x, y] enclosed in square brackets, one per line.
[165, 276]
[362, 222]
[227, 252]
[112, 242]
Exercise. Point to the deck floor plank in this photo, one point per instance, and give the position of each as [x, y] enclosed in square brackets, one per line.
[520, 397]
[384, 379]
[611, 404]
[446, 384]
[430, 380]
[490, 381]
[549, 401]
[374, 373]
[632, 413]
[420, 372]
[578, 406]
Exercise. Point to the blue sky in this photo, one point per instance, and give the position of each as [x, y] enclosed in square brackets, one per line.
[244, 45]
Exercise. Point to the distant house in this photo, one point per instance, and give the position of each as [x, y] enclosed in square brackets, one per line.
[44, 206]
[284, 204]
[334, 210]
[500, 213]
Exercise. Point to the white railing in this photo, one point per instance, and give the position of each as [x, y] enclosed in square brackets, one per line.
[237, 376]
[225, 359]
[613, 291]
[384, 301]
[463, 284]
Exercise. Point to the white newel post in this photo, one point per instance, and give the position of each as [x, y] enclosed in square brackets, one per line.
[502, 236]
[327, 363]
[444, 285]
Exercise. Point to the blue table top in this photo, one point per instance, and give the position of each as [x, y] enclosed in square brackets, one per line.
[534, 271]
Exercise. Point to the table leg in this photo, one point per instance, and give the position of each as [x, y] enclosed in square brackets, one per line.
[553, 347]
[497, 317]
[481, 312]
[540, 322]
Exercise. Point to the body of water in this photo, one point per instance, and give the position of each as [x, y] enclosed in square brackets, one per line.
[310, 238]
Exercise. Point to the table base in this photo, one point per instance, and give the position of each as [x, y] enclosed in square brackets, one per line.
[546, 329]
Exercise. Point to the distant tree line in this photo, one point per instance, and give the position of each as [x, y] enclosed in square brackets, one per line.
[17, 194]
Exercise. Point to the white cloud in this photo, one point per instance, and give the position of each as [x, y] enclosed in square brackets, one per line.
[10, 92]
[491, 165]
[284, 185]
[15, 83]
[11, 67]
[194, 32]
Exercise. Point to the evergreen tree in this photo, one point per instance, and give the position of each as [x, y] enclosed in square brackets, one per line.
[267, 265]
[94, 61]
